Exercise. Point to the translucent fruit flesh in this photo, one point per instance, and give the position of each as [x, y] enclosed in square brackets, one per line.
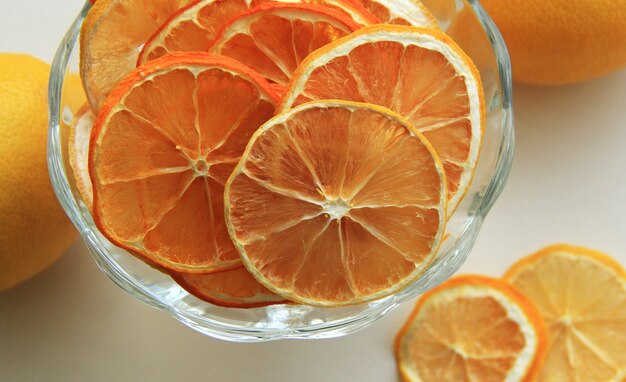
[161, 151]
[336, 203]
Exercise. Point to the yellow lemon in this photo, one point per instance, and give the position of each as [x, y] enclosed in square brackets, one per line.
[34, 231]
[562, 41]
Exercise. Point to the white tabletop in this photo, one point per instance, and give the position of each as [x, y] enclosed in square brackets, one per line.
[71, 323]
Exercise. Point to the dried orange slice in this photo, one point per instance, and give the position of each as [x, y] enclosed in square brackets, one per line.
[235, 288]
[419, 73]
[111, 38]
[161, 151]
[336, 203]
[472, 328]
[581, 294]
[78, 152]
[194, 27]
[401, 12]
[274, 38]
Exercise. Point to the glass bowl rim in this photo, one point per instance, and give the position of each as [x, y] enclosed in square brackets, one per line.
[236, 333]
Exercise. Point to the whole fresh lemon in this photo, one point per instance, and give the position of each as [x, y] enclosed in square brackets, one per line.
[561, 41]
[34, 231]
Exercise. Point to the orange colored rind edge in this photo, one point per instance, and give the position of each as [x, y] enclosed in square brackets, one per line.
[177, 277]
[600, 257]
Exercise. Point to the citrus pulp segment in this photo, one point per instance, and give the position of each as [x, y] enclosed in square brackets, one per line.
[78, 152]
[581, 294]
[161, 151]
[419, 73]
[401, 12]
[274, 38]
[235, 288]
[471, 328]
[111, 39]
[194, 27]
[337, 203]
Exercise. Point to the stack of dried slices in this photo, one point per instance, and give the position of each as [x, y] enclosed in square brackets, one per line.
[269, 151]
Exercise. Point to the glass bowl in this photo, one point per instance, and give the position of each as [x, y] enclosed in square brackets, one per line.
[469, 25]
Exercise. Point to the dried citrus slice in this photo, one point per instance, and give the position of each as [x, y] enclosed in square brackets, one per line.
[401, 12]
[336, 203]
[78, 152]
[472, 328]
[194, 27]
[111, 39]
[161, 150]
[419, 73]
[274, 38]
[581, 294]
[235, 288]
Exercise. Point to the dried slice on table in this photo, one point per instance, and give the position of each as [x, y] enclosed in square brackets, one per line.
[472, 328]
[274, 38]
[581, 294]
[111, 38]
[419, 73]
[161, 151]
[78, 152]
[235, 288]
[337, 203]
[401, 12]
[196, 26]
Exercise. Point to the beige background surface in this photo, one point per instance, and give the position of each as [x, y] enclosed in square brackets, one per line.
[72, 324]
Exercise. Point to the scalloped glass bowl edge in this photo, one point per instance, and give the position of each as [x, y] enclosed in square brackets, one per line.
[290, 322]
